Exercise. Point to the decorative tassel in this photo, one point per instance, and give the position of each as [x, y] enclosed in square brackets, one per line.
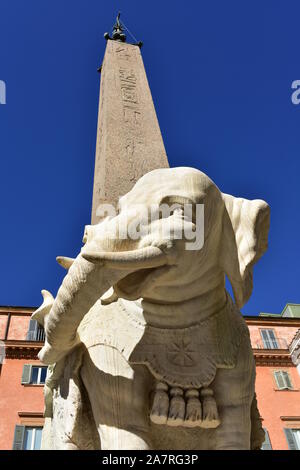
[177, 407]
[193, 415]
[210, 417]
[160, 406]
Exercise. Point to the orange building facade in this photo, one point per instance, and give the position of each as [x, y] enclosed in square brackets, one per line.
[21, 380]
[276, 345]
[277, 379]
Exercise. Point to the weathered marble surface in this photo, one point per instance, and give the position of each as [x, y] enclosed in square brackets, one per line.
[164, 361]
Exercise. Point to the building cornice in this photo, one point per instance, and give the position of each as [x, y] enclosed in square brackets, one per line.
[15, 349]
[272, 357]
[271, 321]
[17, 310]
[30, 414]
[290, 418]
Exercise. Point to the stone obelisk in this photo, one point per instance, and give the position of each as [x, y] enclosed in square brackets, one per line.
[129, 141]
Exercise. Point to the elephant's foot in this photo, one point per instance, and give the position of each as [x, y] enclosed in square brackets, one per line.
[234, 431]
[113, 438]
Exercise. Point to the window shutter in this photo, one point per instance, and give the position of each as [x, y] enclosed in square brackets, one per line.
[290, 439]
[279, 379]
[19, 437]
[267, 443]
[26, 375]
[32, 330]
[287, 379]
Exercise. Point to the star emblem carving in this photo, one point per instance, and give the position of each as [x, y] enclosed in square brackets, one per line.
[182, 353]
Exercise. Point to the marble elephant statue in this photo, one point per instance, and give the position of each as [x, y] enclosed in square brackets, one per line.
[145, 347]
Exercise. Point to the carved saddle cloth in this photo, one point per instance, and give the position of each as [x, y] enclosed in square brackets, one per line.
[183, 357]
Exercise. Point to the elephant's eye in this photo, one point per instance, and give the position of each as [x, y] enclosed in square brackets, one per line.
[177, 210]
[166, 210]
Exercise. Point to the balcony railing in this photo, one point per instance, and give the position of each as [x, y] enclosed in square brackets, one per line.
[280, 343]
[37, 335]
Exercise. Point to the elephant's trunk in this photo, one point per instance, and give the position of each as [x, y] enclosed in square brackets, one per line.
[80, 289]
[84, 284]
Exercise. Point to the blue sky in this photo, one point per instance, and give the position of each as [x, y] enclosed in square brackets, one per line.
[220, 74]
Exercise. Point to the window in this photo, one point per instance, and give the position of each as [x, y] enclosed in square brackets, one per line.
[35, 332]
[27, 437]
[269, 339]
[32, 438]
[283, 380]
[267, 443]
[293, 438]
[34, 375]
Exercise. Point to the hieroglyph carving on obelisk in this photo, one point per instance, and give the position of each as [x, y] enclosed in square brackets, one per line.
[129, 141]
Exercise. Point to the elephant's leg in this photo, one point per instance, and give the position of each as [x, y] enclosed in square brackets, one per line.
[235, 428]
[119, 396]
[234, 391]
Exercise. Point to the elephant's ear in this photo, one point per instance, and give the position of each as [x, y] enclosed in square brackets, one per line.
[244, 240]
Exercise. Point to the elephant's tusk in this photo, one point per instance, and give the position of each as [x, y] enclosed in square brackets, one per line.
[40, 314]
[142, 258]
[64, 261]
[109, 297]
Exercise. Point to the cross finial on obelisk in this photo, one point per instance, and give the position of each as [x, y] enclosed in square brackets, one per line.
[118, 31]
[129, 141]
